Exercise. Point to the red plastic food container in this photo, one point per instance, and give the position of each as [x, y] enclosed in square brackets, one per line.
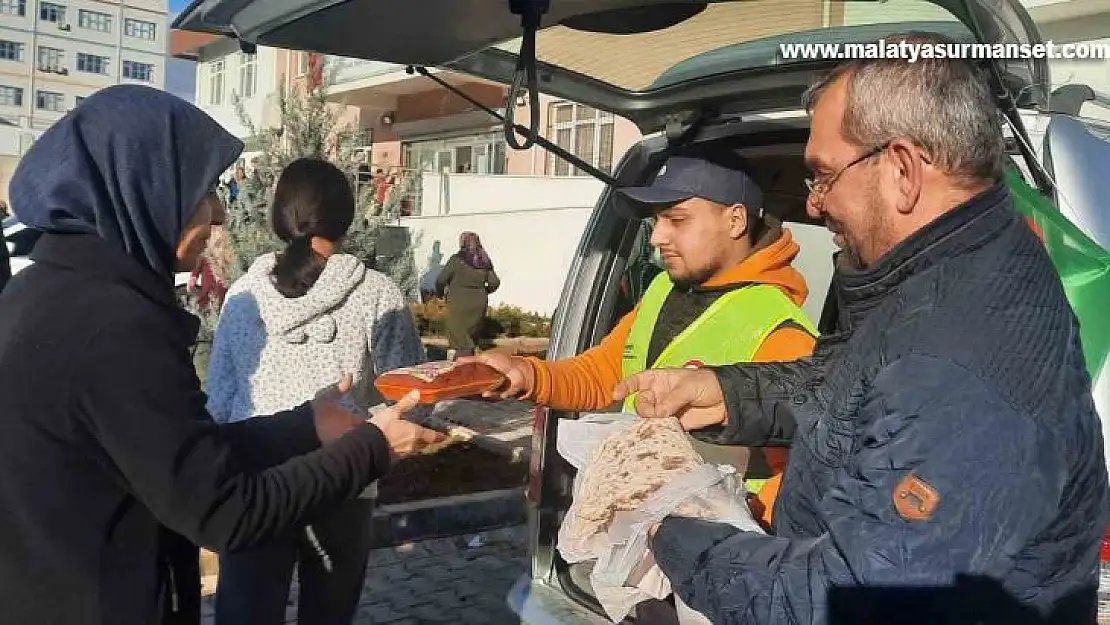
[440, 380]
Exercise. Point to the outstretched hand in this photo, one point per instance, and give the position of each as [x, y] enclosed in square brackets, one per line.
[405, 438]
[692, 395]
[519, 378]
[333, 419]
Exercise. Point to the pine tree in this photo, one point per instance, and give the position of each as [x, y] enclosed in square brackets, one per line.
[309, 126]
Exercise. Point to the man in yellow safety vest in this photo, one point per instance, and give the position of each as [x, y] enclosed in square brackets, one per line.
[729, 294]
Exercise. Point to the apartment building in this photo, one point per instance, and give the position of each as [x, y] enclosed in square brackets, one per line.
[53, 54]
[418, 124]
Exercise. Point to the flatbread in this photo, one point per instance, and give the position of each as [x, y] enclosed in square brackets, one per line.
[627, 468]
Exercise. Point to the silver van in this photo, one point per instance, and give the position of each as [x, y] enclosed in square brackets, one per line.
[694, 76]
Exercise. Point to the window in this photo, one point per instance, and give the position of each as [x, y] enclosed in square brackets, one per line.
[482, 153]
[304, 63]
[11, 96]
[248, 75]
[216, 82]
[50, 101]
[13, 7]
[11, 51]
[583, 131]
[49, 12]
[91, 63]
[138, 71]
[140, 29]
[51, 59]
[94, 20]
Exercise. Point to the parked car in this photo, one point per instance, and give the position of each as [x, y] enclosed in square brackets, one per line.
[700, 77]
[21, 239]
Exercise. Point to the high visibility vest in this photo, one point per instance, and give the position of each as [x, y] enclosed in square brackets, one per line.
[731, 330]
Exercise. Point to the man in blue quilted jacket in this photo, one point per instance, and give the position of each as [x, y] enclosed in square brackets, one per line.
[947, 460]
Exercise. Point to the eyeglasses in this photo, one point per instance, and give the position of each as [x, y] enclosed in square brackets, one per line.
[819, 186]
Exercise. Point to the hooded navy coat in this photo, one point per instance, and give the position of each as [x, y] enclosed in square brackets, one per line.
[106, 450]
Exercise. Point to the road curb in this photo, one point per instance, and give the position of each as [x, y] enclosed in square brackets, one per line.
[414, 521]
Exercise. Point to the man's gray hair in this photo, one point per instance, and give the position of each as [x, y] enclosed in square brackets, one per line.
[943, 106]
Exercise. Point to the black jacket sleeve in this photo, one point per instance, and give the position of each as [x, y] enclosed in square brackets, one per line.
[262, 443]
[759, 399]
[140, 399]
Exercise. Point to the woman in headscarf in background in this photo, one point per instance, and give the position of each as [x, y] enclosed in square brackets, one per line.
[468, 278]
[107, 454]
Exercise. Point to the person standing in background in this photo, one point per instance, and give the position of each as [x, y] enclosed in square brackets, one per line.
[467, 279]
[304, 314]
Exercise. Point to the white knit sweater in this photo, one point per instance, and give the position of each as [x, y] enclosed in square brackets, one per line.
[272, 353]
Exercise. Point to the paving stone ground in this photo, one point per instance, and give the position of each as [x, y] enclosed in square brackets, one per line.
[459, 579]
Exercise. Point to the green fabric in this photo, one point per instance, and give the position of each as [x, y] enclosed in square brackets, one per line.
[1084, 268]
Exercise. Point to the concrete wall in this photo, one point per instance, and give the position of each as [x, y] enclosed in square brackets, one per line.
[532, 242]
[531, 250]
[473, 194]
[530, 226]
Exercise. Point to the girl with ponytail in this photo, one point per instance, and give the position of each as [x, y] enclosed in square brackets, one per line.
[295, 322]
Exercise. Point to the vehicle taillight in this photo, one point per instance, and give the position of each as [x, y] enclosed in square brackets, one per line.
[535, 460]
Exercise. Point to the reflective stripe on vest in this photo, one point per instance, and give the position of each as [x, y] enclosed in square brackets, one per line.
[731, 330]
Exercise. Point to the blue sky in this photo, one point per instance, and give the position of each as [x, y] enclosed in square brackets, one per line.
[177, 5]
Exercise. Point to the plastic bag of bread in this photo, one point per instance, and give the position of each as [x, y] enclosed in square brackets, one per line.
[632, 473]
[439, 380]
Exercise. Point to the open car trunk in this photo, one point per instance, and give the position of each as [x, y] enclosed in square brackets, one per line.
[651, 61]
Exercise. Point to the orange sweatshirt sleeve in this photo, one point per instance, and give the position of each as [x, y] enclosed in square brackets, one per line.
[586, 381]
[785, 344]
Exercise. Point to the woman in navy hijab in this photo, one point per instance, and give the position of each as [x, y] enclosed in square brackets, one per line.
[107, 455]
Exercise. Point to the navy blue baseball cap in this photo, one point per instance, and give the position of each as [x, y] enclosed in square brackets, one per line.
[683, 177]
